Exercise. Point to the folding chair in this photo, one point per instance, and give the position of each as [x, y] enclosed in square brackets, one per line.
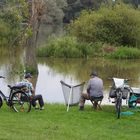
[96, 102]
[71, 93]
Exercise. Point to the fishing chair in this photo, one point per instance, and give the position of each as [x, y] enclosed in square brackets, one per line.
[96, 102]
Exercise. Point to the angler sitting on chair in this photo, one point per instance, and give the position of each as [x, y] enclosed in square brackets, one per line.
[94, 92]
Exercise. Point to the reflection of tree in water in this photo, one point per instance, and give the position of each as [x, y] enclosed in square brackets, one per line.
[123, 68]
[81, 69]
[12, 62]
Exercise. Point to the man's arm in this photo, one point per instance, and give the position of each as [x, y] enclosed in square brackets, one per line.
[88, 87]
[32, 90]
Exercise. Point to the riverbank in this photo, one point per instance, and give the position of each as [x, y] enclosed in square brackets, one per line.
[70, 47]
[54, 123]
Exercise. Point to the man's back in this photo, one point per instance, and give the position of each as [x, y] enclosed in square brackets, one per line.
[28, 86]
[95, 86]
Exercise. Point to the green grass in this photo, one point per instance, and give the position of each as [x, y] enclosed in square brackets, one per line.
[54, 123]
[65, 47]
[125, 53]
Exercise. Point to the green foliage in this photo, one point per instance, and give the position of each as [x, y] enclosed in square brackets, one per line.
[53, 11]
[4, 32]
[119, 25]
[125, 53]
[58, 47]
[74, 8]
[31, 70]
[67, 47]
[135, 3]
[12, 15]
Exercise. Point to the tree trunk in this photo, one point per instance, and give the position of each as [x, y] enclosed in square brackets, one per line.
[36, 9]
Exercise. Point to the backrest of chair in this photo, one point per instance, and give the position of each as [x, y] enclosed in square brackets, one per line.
[72, 93]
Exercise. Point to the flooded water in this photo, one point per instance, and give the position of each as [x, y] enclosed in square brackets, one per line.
[71, 71]
[75, 71]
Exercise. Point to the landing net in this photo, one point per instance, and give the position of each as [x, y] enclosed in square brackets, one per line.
[71, 93]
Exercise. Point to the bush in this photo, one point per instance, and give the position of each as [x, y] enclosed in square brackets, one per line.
[119, 25]
[125, 53]
[11, 19]
[59, 47]
[67, 47]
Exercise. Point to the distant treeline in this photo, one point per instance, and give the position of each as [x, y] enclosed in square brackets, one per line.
[111, 31]
[21, 19]
[75, 7]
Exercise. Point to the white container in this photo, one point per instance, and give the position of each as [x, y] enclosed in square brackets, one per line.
[135, 90]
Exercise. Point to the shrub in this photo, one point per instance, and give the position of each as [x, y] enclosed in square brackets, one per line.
[125, 53]
[119, 25]
[67, 47]
[57, 47]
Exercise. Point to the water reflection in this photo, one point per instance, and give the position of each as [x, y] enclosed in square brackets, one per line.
[11, 66]
[72, 71]
[75, 71]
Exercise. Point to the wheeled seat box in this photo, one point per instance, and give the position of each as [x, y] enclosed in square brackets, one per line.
[136, 91]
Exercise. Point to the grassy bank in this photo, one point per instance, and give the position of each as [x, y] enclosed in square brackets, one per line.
[65, 47]
[70, 47]
[54, 123]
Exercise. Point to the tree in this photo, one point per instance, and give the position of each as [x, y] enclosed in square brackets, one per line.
[12, 15]
[76, 6]
[36, 11]
[42, 11]
[135, 3]
[53, 12]
[119, 25]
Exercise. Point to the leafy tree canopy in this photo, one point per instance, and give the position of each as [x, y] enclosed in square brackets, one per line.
[12, 15]
[118, 25]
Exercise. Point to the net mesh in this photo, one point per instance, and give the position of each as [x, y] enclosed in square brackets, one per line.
[72, 94]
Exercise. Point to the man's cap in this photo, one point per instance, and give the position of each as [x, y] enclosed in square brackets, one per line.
[28, 75]
[94, 73]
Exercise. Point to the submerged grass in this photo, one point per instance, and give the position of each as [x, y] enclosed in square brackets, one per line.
[54, 123]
